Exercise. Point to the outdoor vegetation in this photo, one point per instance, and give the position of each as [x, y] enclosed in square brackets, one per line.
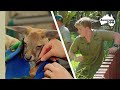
[70, 17]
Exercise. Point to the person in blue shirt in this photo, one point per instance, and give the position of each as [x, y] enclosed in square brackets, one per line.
[64, 31]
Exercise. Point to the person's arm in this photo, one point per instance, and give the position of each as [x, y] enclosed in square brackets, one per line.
[116, 37]
[73, 49]
[68, 44]
[74, 57]
[108, 35]
[111, 35]
[116, 45]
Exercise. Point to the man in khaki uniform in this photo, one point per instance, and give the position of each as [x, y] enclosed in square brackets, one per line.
[90, 45]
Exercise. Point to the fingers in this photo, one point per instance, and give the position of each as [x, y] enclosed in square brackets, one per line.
[45, 78]
[49, 70]
[45, 49]
[49, 67]
[56, 71]
[52, 67]
[57, 65]
[48, 74]
[112, 51]
[109, 51]
[47, 56]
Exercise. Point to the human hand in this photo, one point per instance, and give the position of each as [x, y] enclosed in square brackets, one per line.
[112, 50]
[52, 48]
[79, 58]
[56, 71]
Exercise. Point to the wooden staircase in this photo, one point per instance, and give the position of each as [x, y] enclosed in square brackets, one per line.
[110, 68]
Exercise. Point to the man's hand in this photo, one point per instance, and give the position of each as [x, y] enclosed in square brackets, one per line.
[56, 71]
[79, 58]
[112, 50]
[52, 48]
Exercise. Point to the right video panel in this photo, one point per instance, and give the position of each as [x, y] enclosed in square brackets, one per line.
[92, 40]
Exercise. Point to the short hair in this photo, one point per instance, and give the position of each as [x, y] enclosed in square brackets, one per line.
[85, 21]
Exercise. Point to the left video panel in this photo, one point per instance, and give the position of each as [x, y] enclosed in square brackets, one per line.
[33, 49]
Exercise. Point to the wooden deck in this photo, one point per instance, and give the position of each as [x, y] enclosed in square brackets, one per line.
[110, 68]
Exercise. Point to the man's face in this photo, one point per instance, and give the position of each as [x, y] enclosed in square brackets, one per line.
[81, 30]
[59, 23]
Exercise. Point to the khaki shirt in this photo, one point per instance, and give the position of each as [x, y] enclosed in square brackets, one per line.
[92, 52]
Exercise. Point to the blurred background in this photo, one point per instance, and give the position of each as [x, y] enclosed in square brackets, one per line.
[37, 19]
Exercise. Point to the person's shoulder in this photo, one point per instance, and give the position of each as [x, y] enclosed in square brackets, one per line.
[78, 39]
[66, 28]
[99, 30]
[104, 31]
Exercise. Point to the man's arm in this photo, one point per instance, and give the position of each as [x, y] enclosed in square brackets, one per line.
[74, 57]
[111, 35]
[116, 37]
[73, 49]
[116, 46]
[68, 44]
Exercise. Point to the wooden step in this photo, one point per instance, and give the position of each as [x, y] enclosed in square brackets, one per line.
[106, 63]
[110, 55]
[104, 66]
[102, 69]
[108, 60]
[101, 72]
[98, 77]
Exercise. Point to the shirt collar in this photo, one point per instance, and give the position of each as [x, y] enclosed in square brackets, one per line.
[62, 26]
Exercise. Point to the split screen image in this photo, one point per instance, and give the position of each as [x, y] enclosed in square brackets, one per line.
[58, 44]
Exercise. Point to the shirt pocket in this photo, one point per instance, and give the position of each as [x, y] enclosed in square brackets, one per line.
[83, 48]
[97, 43]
